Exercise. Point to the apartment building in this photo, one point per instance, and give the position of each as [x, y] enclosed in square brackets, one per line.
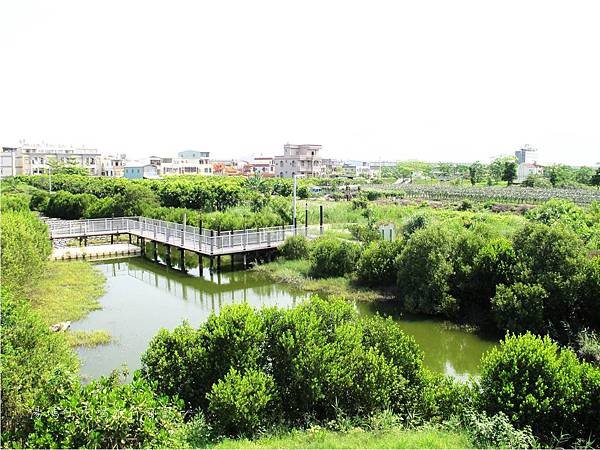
[32, 159]
[187, 162]
[301, 160]
[8, 162]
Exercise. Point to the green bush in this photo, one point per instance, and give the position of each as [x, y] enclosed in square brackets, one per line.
[495, 263]
[444, 397]
[25, 248]
[537, 181]
[65, 205]
[331, 257]
[424, 270]
[415, 223]
[316, 361]
[176, 362]
[589, 294]
[14, 202]
[38, 367]
[39, 200]
[364, 232]
[106, 414]
[520, 307]
[377, 263]
[553, 257]
[295, 247]
[496, 432]
[242, 404]
[540, 386]
[187, 362]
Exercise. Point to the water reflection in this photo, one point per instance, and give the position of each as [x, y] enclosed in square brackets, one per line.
[447, 348]
[142, 297]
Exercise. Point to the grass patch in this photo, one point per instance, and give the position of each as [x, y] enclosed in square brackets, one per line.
[83, 338]
[295, 274]
[67, 291]
[427, 437]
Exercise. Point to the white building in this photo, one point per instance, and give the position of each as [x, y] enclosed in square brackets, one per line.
[300, 160]
[353, 169]
[263, 165]
[112, 165]
[526, 155]
[527, 160]
[188, 162]
[8, 162]
[32, 159]
[526, 169]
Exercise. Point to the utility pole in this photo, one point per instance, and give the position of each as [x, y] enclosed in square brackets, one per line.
[294, 203]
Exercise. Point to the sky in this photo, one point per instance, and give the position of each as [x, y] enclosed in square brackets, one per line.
[434, 80]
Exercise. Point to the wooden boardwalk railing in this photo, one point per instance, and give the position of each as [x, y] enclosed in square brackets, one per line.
[200, 240]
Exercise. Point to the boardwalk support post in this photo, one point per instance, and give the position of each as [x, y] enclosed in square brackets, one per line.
[155, 251]
[320, 219]
[200, 268]
[182, 259]
[168, 255]
[306, 220]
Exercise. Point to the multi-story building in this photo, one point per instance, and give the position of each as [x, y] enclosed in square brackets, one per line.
[526, 155]
[8, 162]
[112, 165]
[527, 159]
[263, 165]
[300, 160]
[31, 159]
[188, 162]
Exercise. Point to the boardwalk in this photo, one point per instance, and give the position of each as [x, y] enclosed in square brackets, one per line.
[201, 241]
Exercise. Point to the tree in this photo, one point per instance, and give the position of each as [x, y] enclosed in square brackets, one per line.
[595, 181]
[509, 172]
[66, 168]
[497, 166]
[584, 175]
[560, 174]
[476, 172]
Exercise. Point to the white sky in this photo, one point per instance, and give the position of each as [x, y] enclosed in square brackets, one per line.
[431, 80]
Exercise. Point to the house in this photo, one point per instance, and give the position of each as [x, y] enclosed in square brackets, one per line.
[112, 165]
[138, 171]
[527, 169]
[263, 166]
[300, 160]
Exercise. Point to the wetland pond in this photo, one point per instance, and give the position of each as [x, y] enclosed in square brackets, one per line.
[142, 296]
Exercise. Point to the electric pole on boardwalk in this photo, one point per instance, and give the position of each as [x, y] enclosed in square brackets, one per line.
[294, 202]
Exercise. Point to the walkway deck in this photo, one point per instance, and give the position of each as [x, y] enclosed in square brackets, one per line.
[194, 239]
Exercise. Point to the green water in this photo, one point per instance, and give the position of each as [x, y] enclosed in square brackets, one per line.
[142, 297]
